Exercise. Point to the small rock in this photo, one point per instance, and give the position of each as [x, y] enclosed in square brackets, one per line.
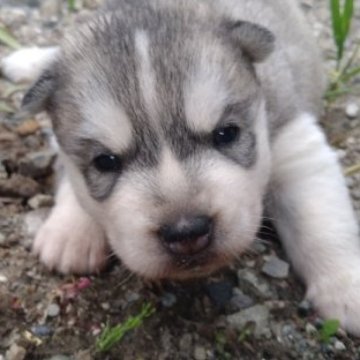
[310, 329]
[83, 355]
[3, 278]
[53, 310]
[132, 297]
[339, 345]
[240, 301]
[258, 247]
[199, 353]
[276, 268]
[28, 127]
[352, 110]
[220, 293]
[251, 277]
[18, 186]
[185, 343]
[37, 164]
[50, 8]
[3, 172]
[15, 352]
[60, 357]
[40, 200]
[304, 308]
[105, 306]
[258, 314]
[42, 330]
[2, 239]
[168, 299]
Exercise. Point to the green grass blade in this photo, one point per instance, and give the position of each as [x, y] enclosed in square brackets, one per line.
[347, 17]
[329, 329]
[112, 335]
[71, 5]
[7, 39]
[350, 74]
[336, 20]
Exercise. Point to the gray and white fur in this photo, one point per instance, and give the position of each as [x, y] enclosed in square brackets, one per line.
[204, 109]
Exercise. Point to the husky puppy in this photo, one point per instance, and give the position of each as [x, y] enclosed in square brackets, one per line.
[176, 120]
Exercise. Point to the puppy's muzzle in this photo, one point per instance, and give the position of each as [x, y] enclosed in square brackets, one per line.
[187, 236]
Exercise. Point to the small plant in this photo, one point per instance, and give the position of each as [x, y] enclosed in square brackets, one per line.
[8, 39]
[71, 5]
[112, 335]
[329, 329]
[342, 13]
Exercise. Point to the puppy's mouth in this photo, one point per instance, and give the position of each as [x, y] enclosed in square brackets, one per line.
[182, 267]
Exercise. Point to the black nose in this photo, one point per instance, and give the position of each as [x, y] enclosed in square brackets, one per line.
[188, 236]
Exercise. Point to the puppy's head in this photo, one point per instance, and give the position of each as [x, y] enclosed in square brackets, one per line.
[162, 128]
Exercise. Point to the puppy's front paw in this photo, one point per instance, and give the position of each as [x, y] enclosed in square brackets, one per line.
[339, 298]
[71, 242]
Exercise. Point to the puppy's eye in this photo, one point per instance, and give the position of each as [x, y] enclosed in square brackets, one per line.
[226, 135]
[107, 163]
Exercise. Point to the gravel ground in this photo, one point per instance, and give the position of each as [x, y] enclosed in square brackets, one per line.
[253, 310]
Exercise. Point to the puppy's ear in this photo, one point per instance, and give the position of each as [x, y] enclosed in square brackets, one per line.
[255, 41]
[37, 98]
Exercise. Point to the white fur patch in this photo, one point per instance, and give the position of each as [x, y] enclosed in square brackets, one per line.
[172, 179]
[145, 73]
[70, 240]
[315, 219]
[106, 122]
[26, 65]
[206, 91]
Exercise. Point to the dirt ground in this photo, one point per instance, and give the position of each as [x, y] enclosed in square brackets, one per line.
[242, 312]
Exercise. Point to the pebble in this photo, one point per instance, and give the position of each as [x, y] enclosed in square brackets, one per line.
[50, 8]
[3, 278]
[53, 310]
[28, 127]
[132, 297]
[259, 314]
[15, 352]
[168, 299]
[310, 329]
[185, 343]
[2, 239]
[276, 268]
[42, 330]
[60, 357]
[220, 293]
[40, 200]
[352, 110]
[240, 301]
[251, 277]
[199, 353]
[258, 247]
[18, 186]
[37, 164]
[304, 308]
[339, 345]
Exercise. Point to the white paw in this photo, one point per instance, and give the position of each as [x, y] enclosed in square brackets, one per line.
[26, 65]
[71, 242]
[338, 297]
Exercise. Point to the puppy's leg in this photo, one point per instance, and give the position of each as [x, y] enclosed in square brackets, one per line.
[70, 241]
[26, 65]
[315, 219]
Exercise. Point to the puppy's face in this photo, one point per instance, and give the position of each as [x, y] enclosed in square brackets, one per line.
[164, 134]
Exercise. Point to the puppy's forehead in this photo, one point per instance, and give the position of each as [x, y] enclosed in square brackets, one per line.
[130, 78]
